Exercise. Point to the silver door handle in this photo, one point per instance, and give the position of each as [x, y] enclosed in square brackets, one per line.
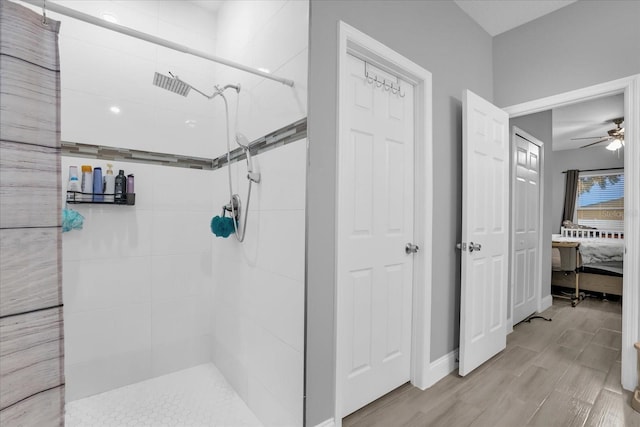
[474, 247]
[411, 248]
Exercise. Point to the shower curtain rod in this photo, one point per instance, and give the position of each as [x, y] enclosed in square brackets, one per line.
[150, 38]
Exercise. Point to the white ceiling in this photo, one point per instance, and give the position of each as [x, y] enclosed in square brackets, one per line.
[211, 5]
[498, 16]
[495, 16]
[586, 119]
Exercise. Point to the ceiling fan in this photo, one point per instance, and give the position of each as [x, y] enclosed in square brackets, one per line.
[615, 136]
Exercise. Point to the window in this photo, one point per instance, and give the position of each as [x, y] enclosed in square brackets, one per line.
[600, 201]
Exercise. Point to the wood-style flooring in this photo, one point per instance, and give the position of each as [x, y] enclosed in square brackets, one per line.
[560, 373]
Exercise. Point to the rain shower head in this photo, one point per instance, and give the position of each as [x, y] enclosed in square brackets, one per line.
[172, 84]
[175, 85]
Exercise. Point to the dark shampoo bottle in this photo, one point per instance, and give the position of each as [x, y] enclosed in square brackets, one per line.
[121, 188]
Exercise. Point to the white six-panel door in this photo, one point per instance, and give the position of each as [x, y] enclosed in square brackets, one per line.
[375, 222]
[485, 231]
[526, 227]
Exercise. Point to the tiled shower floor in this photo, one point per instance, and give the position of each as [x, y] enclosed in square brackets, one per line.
[194, 397]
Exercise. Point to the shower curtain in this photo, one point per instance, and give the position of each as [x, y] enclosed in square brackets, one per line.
[31, 334]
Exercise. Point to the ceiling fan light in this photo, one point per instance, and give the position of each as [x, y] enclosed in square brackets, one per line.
[614, 145]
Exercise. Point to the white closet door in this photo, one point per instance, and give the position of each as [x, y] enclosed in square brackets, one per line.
[526, 232]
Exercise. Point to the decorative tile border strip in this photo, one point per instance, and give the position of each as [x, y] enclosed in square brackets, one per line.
[293, 132]
[101, 152]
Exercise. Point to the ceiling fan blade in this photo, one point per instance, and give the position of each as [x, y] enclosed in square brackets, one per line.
[589, 137]
[594, 143]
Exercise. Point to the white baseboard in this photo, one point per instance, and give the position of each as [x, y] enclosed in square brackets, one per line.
[438, 369]
[327, 423]
[545, 303]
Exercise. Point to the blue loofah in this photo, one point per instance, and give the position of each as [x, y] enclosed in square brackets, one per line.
[71, 220]
[222, 226]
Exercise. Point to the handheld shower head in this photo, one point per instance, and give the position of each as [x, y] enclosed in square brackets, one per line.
[242, 141]
[172, 84]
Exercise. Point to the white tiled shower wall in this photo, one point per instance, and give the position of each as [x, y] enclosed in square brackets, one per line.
[258, 295]
[145, 286]
[258, 298]
[102, 68]
[269, 35]
[136, 281]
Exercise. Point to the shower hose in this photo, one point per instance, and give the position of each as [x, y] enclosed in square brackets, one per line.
[235, 211]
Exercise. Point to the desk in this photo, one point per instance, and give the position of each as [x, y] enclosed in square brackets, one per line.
[570, 261]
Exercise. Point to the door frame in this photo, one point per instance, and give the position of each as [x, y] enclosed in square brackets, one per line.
[630, 86]
[357, 43]
[538, 285]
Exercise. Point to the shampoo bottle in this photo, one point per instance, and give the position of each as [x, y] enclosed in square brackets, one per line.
[120, 188]
[87, 183]
[74, 184]
[97, 185]
[109, 184]
[73, 173]
[131, 196]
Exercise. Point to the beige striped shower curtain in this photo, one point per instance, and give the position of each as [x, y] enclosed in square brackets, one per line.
[31, 333]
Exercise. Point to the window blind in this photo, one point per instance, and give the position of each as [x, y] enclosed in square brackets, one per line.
[600, 201]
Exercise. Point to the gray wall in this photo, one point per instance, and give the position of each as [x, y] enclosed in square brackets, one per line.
[559, 52]
[444, 40]
[585, 43]
[540, 126]
[586, 158]
[570, 48]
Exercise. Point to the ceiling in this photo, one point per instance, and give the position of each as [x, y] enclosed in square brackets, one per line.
[498, 16]
[495, 16]
[590, 118]
[211, 5]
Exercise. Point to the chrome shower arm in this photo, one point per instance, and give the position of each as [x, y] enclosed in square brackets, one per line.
[217, 92]
[234, 87]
